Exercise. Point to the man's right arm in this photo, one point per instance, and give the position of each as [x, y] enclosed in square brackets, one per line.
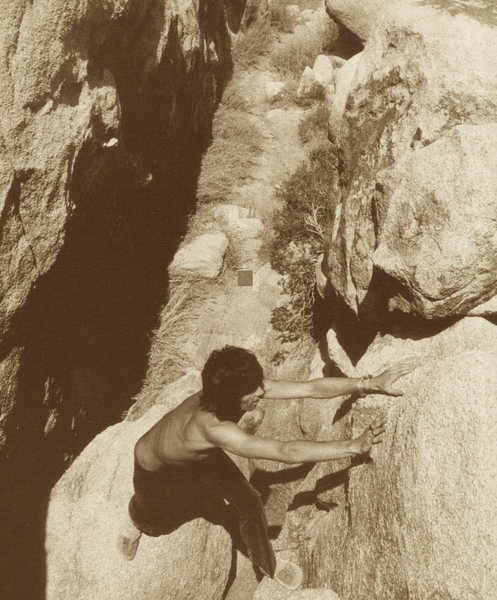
[231, 438]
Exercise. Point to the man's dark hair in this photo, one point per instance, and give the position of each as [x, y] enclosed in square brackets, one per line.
[228, 374]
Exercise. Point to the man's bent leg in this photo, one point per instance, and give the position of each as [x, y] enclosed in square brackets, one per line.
[229, 481]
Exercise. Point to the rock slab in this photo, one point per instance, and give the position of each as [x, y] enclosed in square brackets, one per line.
[86, 512]
[202, 257]
[419, 518]
[405, 97]
[439, 247]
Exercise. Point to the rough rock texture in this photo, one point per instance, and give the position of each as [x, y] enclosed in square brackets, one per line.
[105, 109]
[169, 396]
[273, 90]
[337, 126]
[292, 486]
[362, 17]
[203, 256]
[307, 83]
[337, 355]
[419, 519]
[87, 510]
[242, 14]
[440, 247]
[269, 590]
[249, 227]
[359, 17]
[323, 69]
[427, 76]
[230, 212]
[321, 279]
[486, 309]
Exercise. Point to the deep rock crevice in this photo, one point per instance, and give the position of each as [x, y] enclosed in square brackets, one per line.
[135, 89]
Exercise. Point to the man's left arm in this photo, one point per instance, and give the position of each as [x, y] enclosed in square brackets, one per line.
[331, 387]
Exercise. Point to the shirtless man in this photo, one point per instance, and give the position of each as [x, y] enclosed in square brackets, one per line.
[181, 460]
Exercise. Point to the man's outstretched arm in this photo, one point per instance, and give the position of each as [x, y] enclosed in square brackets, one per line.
[330, 387]
[231, 438]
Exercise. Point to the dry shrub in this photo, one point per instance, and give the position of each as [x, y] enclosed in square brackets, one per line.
[317, 94]
[308, 197]
[251, 45]
[279, 15]
[300, 50]
[230, 158]
[188, 301]
[234, 97]
[314, 125]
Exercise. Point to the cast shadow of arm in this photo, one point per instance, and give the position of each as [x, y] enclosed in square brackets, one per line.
[263, 480]
[326, 484]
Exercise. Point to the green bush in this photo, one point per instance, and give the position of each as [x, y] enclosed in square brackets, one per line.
[307, 197]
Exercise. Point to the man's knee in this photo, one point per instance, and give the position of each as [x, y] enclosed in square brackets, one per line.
[253, 502]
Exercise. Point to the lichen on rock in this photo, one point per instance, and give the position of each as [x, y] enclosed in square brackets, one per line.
[417, 518]
[406, 91]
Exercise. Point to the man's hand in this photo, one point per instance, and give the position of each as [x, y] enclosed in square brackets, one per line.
[372, 435]
[383, 383]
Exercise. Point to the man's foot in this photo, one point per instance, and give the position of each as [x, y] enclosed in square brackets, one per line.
[127, 543]
[288, 574]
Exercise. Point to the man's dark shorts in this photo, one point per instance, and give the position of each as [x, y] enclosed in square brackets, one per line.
[166, 499]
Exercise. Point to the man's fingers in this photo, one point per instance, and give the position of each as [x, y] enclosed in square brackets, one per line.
[380, 420]
[378, 440]
[395, 392]
[404, 369]
[377, 427]
[376, 431]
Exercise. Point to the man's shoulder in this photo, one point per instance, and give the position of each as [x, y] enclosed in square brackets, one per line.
[218, 432]
[188, 405]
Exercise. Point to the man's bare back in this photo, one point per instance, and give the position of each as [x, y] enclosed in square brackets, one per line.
[187, 433]
[197, 435]
[178, 438]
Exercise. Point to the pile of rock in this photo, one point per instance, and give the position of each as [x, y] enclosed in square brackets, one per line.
[293, 16]
[203, 256]
[321, 77]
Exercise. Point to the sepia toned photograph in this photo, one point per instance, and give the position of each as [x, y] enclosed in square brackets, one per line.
[248, 300]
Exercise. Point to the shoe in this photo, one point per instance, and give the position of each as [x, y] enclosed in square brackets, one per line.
[127, 543]
[288, 574]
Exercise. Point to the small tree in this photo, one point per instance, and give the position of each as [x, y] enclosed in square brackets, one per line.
[308, 197]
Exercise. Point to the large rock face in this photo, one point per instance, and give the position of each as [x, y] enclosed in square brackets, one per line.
[362, 17]
[418, 146]
[242, 14]
[105, 111]
[418, 520]
[87, 510]
[424, 512]
[436, 215]
[359, 17]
